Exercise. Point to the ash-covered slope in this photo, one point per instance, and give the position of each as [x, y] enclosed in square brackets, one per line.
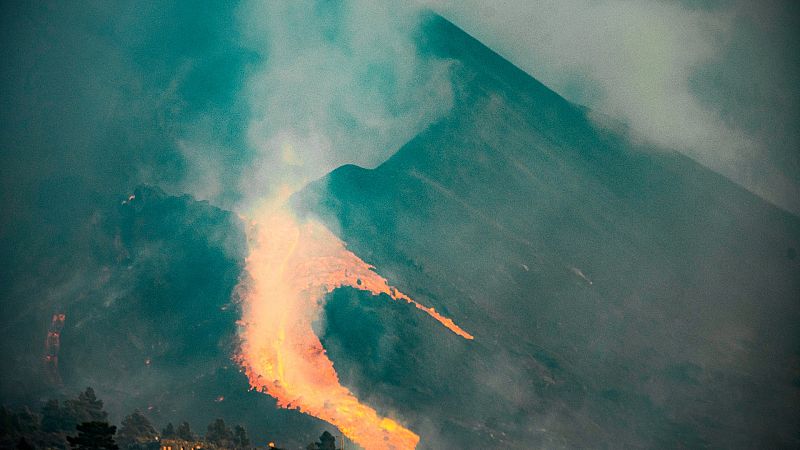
[150, 318]
[620, 296]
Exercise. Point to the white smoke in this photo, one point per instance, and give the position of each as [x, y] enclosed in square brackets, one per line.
[636, 62]
[341, 82]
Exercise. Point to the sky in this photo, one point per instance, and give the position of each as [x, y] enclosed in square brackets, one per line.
[232, 102]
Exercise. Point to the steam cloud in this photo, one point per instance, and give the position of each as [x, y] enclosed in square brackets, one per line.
[337, 83]
[715, 80]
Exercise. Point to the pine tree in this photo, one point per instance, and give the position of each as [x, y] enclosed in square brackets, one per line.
[56, 419]
[5, 421]
[219, 434]
[136, 431]
[326, 442]
[87, 407]
[185, 432]
[94, 436]
[24, 422]
[168, 432]
[23, 444]
[56, 422]
[240, 438]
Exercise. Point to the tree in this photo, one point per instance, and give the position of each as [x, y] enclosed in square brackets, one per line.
[168, 432]
[240, 438]
[22, 423]
[136, 432]
[56, 419]
[14, 426]
[94, 436]
[87, 407]
[5, 421]
[219, 434]
[326, 442]
[23, 444]
[185, 432]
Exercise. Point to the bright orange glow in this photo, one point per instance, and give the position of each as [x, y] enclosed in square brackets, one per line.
[292, 265]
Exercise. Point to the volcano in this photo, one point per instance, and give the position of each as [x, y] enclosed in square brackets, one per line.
[596, 292]
[620, 295]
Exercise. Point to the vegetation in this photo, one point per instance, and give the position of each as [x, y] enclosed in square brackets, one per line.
[137, 433]
[169, 432]
[185, 432]
[326, 442]
[94, 436]
[82, 423]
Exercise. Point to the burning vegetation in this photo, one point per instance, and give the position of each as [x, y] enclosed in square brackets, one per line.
[52, 346]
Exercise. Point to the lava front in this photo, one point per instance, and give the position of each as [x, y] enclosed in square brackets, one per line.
[292, 265]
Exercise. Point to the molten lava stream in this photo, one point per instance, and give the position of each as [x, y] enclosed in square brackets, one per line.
[292, 266]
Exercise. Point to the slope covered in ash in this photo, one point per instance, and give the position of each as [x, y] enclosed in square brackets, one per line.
[619, 295]
[146, 286]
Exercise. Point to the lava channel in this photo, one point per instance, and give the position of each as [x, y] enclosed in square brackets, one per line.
[292, 265]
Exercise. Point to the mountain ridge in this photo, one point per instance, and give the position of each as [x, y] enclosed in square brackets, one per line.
[573, 256]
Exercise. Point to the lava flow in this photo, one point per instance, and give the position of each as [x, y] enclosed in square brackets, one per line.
[292, 265]
[52, 345]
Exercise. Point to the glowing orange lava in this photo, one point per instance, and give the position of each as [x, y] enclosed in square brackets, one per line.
[292, 265]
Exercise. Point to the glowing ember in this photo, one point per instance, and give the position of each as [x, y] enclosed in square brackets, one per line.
[292, 266]
[52, 345]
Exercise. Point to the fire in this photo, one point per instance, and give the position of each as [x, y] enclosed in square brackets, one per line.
[292, 265]
[52, 346]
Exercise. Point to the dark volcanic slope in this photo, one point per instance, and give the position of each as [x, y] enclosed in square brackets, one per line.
[620, 296]
[150, 318]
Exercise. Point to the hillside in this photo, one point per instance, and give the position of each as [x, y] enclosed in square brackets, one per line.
[619, 295]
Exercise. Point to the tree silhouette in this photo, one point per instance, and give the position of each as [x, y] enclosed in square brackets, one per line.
[14, 425]
[240, 438]
[326, 442]
[94, 436]
[185, 432]
[56, 419]
[168, 432]
[136, 432]
[23, 444]
[56, 422]
[87, 407]
[219, 434]
[26, 422]
[5, 421]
